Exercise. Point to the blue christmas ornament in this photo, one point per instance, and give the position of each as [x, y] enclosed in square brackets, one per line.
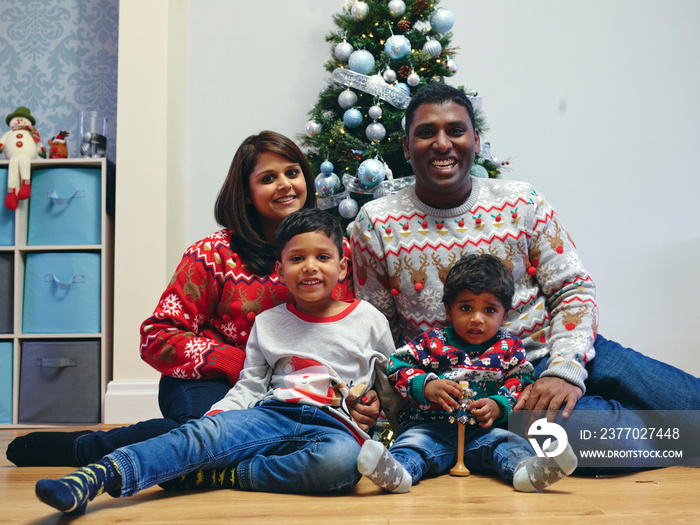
[327, 184]
[442, 20]
[352, 118]
[361, 61]
[479, 172]
[327, 167]
[371, 172]
[403, 87]
[397, 47]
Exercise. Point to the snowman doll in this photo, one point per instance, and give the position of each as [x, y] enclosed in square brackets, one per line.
[21, 144]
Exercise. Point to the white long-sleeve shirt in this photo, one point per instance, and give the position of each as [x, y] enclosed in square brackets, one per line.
[320, 361]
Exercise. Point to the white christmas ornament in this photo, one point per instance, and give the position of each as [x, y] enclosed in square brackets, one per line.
[442, 20]
[397, 8]
[375, 112]
[327, 184]
[451, 65]
[375, 132]
[313, 128]
[413, 79]
[371, 172]
[361, 61]
[347, 99]
[432, 47]
[348, 208]
[359, 10]
[389, 75]
[343, 51]
[397, 47]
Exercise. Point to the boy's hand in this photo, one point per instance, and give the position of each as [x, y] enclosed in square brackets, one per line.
[486, 411]
[443, 392]
[365, 410]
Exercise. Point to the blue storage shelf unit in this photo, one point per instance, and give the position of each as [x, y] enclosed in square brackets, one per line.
[56, 289]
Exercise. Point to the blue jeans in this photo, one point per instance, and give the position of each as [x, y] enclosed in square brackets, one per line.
[179, 400]
[621, 383]
[430, 448]
[275, 447]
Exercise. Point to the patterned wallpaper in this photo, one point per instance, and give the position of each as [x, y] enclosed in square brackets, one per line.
[58, 58]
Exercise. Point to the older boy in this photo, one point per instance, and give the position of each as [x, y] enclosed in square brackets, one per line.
[285, 425]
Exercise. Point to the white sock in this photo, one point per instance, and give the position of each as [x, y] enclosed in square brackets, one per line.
[377, 463]
[535, 473]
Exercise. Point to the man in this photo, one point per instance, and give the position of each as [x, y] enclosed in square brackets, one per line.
[404, 244]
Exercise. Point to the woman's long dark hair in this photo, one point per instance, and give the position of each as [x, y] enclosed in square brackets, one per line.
[231, 210]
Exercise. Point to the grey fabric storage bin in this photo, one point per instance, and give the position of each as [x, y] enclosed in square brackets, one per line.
[7, 292]
[60, 382]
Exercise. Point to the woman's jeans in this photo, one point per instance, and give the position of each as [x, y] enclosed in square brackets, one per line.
[430, 448]
[179, 399]
[275, 447]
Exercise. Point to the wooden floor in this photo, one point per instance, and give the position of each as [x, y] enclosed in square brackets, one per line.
[669, 495]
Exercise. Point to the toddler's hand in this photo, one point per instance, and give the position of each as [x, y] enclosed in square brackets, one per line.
[486, 411]
[443, 392]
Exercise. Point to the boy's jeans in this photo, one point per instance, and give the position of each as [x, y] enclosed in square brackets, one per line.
[275, 447]
[430, 448]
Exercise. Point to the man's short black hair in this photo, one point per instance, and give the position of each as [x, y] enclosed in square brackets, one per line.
[438, 93]
[308, 220]
[479, 274]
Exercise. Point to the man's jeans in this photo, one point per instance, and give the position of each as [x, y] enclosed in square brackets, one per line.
[622, 385]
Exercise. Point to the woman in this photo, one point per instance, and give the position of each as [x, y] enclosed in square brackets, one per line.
[197, 334]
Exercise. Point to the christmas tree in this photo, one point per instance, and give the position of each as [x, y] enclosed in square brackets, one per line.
[382, 52]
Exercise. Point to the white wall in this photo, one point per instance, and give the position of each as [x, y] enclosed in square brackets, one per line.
[594, 102]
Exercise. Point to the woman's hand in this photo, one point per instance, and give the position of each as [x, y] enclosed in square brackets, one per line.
[365, 410]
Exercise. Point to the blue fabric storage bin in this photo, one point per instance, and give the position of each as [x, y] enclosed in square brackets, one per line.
[7, 217]
[62, 293]
[5, 383]
[7, 292]
[59, 382]
[65, 206]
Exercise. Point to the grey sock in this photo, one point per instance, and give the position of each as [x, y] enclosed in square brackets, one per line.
[377, 463]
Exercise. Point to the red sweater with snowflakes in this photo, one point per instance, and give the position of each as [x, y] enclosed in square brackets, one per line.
[201, 324]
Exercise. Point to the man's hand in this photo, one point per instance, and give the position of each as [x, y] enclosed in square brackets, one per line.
[486, 411]
[443, 392]
[365, 411]
[548, 394]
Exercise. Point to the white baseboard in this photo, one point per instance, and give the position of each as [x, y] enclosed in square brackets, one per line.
[129, 402]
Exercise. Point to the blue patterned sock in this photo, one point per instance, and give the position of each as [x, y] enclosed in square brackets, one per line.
[71, 493]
